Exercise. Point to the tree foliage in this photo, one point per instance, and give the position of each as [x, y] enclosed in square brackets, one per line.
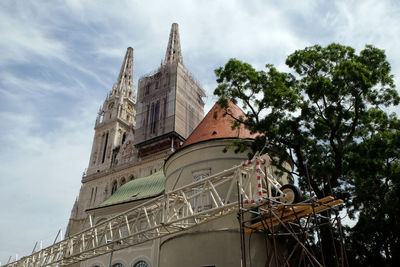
[326, 115]
[374, 165]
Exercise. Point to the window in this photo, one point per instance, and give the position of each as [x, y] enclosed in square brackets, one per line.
[202, 200]
[105, 148]
[123, 181]
[91, 195]
[114, 187]
[141, 264]
[151, 118]
[95, 193]
[123, 138]
[147, 89]
[118, 265]
[191, 119]
[124, 231]
[155, 110]
[131, 178]
[143, 225]
[165, 107]
[147, 114]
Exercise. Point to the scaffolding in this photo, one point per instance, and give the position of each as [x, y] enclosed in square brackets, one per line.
[293, 232]
[170, 213]
[245, 189]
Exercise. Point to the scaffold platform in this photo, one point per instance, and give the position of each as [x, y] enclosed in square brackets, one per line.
[272, 216]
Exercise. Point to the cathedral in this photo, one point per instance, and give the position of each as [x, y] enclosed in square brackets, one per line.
[135, 134]
[151, 143]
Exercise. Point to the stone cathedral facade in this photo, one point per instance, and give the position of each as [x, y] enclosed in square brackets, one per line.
[134, 136]
[152, 142]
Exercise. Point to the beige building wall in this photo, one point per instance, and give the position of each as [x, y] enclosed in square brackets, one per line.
[147, 251]
[203, 158]
[219, 247]
[216, 243]
[97, 187]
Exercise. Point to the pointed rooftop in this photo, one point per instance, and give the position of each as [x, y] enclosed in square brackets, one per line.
[217, 126]
[124, 81]
[173, 53]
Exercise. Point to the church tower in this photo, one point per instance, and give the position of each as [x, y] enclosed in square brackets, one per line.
[115, 120]
[133, 137]
[169, 103]
[113, 132]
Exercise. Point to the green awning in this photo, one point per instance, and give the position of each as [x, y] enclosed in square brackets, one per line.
[142, 188]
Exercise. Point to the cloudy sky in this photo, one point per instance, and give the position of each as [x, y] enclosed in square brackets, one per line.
[59, 59]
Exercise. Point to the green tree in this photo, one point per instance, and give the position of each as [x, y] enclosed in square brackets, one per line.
[317, 115]
[374, 164]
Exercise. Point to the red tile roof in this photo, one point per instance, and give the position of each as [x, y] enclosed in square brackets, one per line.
[216, 127]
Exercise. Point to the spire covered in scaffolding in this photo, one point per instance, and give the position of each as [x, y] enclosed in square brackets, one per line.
[124, 82]
[173, 53]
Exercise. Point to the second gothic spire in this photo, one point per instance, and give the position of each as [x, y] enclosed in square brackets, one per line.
[173, 53]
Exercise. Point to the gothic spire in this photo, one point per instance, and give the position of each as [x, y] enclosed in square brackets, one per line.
[124, 81]
[173, 53]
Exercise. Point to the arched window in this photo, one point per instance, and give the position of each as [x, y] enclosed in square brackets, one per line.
[131, 178]
[101, 221]
[123, 181]
[118, 265]
[141, 264]
[114, 187]
[155, 110]
[123, 138]
[105, 148]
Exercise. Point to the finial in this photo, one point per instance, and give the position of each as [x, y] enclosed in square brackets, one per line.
[173, 53]
[124, 81]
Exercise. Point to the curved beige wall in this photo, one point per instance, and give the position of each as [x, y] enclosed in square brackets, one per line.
[180, 168]
[217, 242]
[215, 248]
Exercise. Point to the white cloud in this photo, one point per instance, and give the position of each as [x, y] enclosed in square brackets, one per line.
[22, 39]
[33, 88]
